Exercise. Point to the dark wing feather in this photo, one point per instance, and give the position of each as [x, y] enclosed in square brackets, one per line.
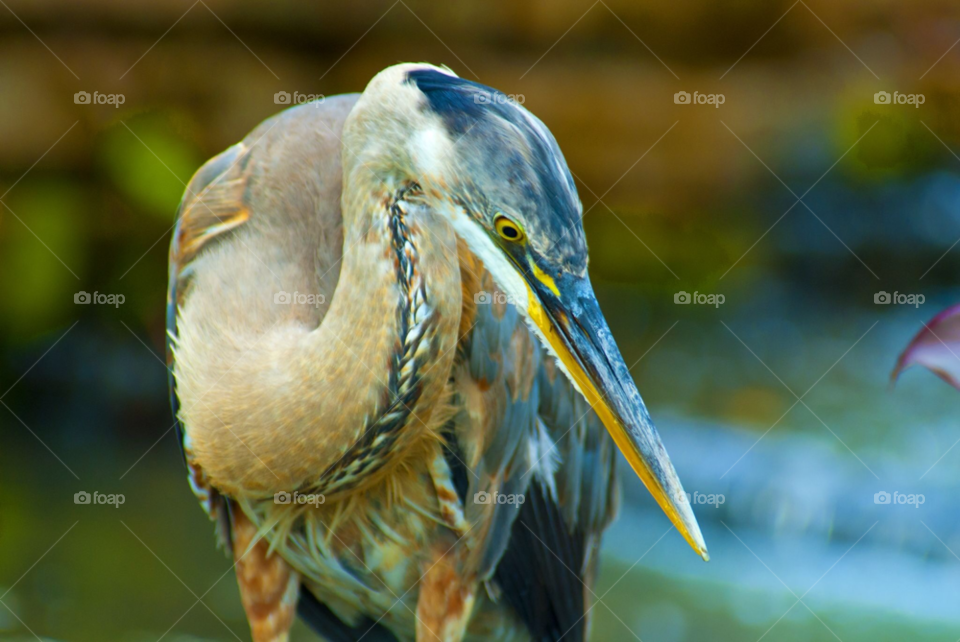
[530, 432]
[586, 481]
[540, 573]
[497, 390]
[327, 625]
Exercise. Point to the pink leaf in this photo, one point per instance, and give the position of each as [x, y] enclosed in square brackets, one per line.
[936, 347]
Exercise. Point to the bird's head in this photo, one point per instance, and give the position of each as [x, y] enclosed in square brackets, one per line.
[497, 174]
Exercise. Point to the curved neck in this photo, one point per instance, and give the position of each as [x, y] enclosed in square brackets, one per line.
[381, 356]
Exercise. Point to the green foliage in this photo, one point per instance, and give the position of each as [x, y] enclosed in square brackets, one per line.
[149, 162]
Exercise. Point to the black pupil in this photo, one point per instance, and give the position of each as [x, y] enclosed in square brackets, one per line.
[510, 232]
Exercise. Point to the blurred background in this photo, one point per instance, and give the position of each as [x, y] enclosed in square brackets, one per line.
[778, 398]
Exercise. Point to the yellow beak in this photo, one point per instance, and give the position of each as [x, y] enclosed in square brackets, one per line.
[567, 313]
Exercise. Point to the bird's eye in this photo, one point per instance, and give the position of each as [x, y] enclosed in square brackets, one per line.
[508, 230]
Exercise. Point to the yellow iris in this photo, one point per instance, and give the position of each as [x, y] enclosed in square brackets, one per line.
[508, 230]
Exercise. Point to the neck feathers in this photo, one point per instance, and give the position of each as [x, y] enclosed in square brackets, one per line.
[416, 325]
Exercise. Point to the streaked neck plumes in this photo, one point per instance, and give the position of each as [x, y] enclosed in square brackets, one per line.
[424, 329]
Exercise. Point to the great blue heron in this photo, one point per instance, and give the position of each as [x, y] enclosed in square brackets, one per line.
[392, 374]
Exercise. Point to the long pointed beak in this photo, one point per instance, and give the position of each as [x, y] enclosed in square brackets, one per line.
[567, 313]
